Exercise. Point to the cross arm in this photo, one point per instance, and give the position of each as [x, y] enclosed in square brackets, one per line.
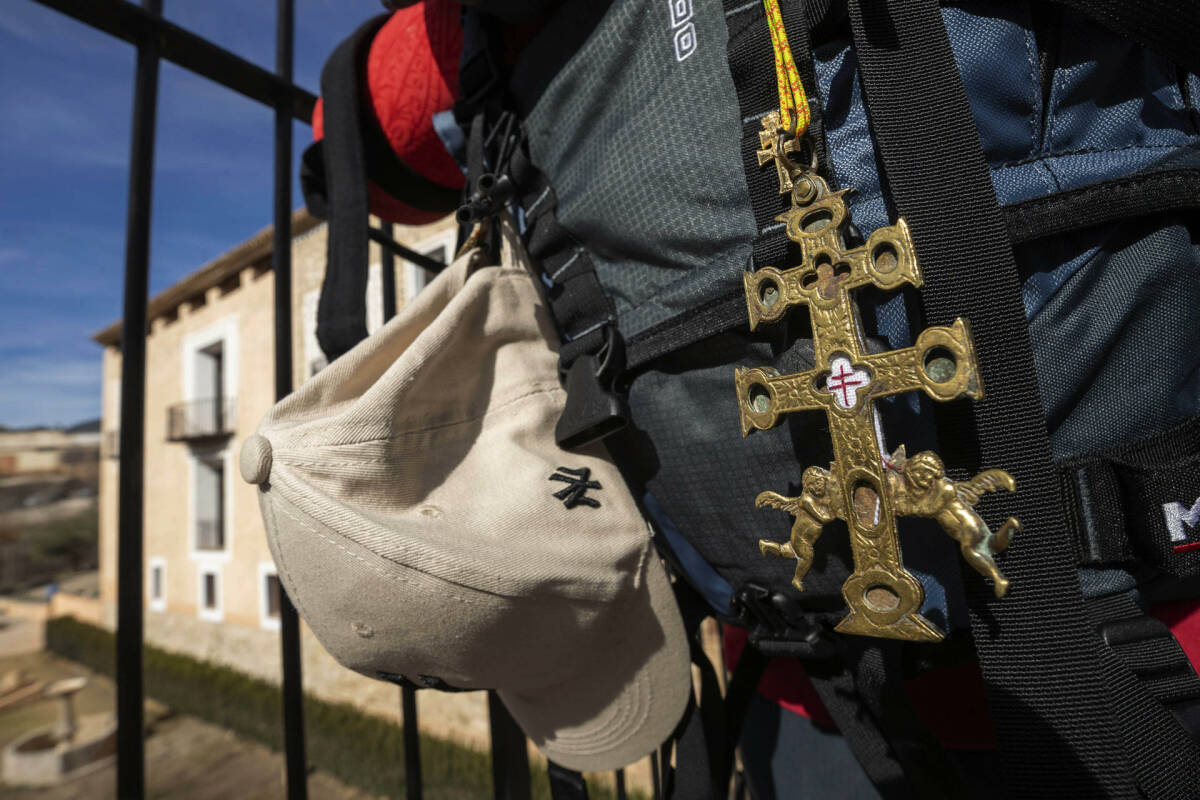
[886, 260]
[941, 363]
[764, 396]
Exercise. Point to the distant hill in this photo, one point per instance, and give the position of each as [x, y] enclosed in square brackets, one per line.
[87, 426]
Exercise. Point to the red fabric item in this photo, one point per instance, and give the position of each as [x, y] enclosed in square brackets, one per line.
[412, 74]
[1183, 618]
[784, 681]
[951, 701]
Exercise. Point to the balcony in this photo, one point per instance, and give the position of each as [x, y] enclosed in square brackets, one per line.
[201, 419]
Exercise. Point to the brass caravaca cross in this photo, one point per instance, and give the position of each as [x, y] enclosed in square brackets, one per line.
[864, 486]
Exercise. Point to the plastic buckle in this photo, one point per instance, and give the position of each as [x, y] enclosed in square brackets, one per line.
[594, 409]
[491, 194]
[778, 626]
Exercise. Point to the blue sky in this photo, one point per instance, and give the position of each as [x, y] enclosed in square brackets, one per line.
[64, 149]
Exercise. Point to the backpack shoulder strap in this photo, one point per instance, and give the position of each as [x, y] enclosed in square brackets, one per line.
[1054, 691]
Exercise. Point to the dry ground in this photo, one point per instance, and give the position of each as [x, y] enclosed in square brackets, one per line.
[185, 758]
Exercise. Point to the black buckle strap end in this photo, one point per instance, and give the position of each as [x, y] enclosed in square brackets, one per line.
[594, 409]
[778, 626]
[491, 194]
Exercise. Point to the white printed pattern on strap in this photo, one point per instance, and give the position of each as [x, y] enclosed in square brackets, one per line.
[682, 27]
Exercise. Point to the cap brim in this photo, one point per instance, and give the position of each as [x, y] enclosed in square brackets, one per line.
[625, 700]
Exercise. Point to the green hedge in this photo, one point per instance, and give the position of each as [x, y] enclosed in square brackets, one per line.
[360, 749]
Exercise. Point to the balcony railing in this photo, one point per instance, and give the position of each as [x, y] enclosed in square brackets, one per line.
[156, 40]
[210, 534]
[200, 419]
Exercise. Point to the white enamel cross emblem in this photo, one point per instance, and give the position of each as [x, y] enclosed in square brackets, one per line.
[844, 382]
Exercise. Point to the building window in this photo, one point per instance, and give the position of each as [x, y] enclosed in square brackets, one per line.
[158, 584]
[269, 596]
[314, 357]
[209, 384]
[209, 388]
[209, 602]
[439, 249]
[209, 503]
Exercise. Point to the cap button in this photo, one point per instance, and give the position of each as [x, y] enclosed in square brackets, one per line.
[256, 459]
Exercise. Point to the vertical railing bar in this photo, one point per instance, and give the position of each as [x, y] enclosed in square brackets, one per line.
[655, 776]
[619, 777]
[131, 754]
[412, 743]
[409, 722]
[387, 261]
[510, 758]
[296, 769]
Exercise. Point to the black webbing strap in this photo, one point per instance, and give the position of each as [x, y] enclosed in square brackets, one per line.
[692, 777]
[342, 309]
[592, 355]
[335, 174]
[1115, 200]
[702, 771]
[510, 758]
[879, 677]
[1148, 649]
[863, 690]
[739, 690]
[1139, 501]
[1044, 666]
[566, 784]
[580, 305]
[581, 309]
[1169, 27]
[835, 686]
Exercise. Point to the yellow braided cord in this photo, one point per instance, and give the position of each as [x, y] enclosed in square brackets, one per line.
[792, 100]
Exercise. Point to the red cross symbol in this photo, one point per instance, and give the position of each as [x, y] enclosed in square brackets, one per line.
[844, 382]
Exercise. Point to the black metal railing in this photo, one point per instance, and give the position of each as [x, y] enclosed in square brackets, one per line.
[156, 39]
[201, 419]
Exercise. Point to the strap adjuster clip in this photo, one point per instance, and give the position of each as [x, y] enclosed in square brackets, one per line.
[778, 626]
[594, 408]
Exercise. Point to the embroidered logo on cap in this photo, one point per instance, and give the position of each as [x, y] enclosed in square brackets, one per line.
[575, 493]
[1178, 515]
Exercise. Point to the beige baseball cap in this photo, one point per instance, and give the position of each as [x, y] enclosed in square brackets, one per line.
[426, 525]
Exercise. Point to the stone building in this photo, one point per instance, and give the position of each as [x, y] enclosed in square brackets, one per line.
[211, 589]
[49, 451]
